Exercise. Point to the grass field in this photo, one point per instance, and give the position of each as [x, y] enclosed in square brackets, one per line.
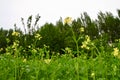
[61, 67]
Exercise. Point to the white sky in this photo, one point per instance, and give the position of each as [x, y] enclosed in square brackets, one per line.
[11, 11]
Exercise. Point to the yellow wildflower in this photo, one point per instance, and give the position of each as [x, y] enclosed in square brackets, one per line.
[68, 50]
[29, 46]
[47, 61]
[86, 42]
[83, 45]
[87, 38]
[15, 44]
[38, 36]
[116, 52]
[68, 20]
[24, 60]
[81, 29]
[15, 33]
[92, 74]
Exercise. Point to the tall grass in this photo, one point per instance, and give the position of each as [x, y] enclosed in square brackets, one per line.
[41, 65]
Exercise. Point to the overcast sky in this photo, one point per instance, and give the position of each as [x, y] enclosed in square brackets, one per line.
[11, 11]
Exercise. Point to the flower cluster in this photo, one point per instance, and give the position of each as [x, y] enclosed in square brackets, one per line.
[81, 29]
[15, 44]
[68, 20]
[38, 36]
[24, 60]
[116, 52]
[15, 33]
[86, 42]
[47, 61]
[68, 50]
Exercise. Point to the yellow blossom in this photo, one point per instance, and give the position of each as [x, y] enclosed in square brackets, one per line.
[68, 50]
[38, 36]
[24, 60]
[81, 29]
[86, 42]
[87, 38]
[92, 74]
[29, 46]
[83, 45]
[116, 52]
[47, 61]
[68, 20]
[15, 44]
[15, 33]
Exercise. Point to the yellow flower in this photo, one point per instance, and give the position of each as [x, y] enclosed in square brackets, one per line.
[38, 36]
[83, 45]
[24, 60]
[15, 44]
[68, 20]
[87, 38]
[92, 74]
[47, 61]
[86, 42]
[116, 52]
[68, 50]
[81, 29]
[29, 46]
[15, 33]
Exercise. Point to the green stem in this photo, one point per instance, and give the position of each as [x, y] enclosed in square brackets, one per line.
[77, 48]
[97, 50]
[76, 42]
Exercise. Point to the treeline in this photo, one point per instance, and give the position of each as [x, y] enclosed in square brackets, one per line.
[103, 30]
